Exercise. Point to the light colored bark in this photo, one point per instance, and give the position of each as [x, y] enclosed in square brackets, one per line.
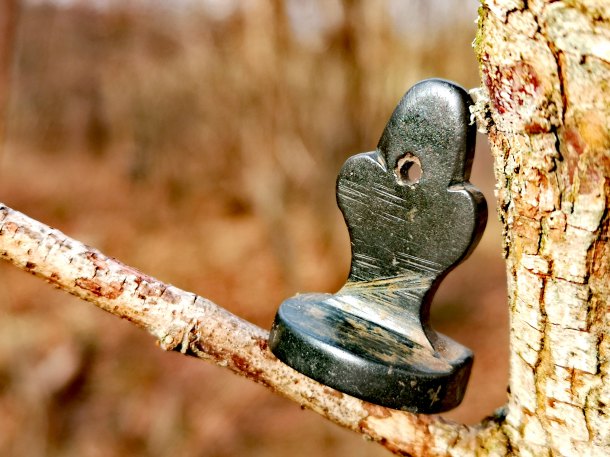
[184, 322]
[545, 103]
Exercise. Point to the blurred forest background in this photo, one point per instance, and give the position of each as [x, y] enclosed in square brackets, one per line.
[199, 141]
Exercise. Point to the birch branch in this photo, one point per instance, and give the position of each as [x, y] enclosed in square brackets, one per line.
[185, 322]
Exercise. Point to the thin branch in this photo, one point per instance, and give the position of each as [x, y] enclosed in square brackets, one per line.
[185, 322]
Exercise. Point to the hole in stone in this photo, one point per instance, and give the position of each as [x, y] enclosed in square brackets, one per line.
[408, 170]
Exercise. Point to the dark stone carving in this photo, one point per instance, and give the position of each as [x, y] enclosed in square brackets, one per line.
[412, 216]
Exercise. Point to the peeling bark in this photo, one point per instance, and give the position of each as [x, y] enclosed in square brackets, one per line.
[545, 103]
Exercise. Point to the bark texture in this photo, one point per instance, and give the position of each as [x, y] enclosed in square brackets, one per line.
[545, 102]
[185, 322]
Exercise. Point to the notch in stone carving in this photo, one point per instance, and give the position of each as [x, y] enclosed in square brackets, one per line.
[412, 216]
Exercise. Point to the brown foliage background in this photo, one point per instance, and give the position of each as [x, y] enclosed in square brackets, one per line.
[201, 145]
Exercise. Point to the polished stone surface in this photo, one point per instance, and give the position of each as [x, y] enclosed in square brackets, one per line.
[412, 216]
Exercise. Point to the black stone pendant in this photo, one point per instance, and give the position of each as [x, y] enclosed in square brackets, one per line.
[372, 338]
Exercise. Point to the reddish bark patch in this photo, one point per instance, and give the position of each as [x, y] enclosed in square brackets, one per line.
[573, 139]
[534, 128]
[95, 259]
[510, 86]
[592, 180]
[262, 344]
[600, 257]
[10, 227]
[526, 233]
[575, 147]
[377, 411]
[242, 365]
[54, 280]
[110, 291]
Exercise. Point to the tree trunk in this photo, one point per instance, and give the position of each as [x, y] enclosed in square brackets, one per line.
[545, 102]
